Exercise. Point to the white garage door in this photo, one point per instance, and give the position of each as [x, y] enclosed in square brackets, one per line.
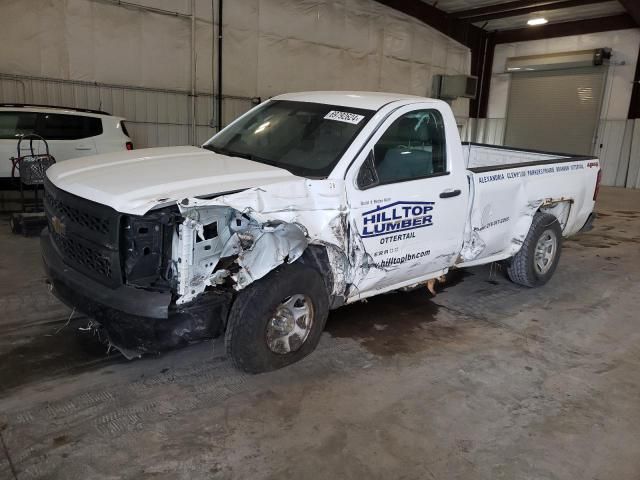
[556, 110]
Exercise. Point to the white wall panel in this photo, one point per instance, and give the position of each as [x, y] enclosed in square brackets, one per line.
[240, 70]
[611, 158]
[329, 45]
[625, 154]
[270, 47]
[633, 175]
[242, 15]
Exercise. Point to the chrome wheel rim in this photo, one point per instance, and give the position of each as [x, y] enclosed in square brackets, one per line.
[290, 325]
[545, 253]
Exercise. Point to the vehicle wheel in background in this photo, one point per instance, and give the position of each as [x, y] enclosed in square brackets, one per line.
[538, 258]
[278, 319]
[16, 223]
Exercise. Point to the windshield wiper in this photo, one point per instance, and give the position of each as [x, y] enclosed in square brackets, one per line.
[228, 153]
[246, 156]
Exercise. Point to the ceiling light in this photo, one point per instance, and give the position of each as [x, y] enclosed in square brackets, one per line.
[537, 21]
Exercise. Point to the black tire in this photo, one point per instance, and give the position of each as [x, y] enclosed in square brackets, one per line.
[16, 224]
[252, 310]
[522, 268]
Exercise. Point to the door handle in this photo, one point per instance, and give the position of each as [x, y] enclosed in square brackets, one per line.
[450, 193]
[83, 147]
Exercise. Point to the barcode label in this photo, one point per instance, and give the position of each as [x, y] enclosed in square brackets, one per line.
[344, 117]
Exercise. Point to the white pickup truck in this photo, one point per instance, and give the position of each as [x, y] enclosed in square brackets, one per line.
[307, 202]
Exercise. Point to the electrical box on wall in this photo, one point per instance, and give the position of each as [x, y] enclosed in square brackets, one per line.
[450, 87]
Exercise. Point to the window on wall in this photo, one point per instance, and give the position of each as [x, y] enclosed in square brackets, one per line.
[413, 147]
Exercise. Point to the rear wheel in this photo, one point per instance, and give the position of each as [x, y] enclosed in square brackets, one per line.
[278, 319]
[538, 258]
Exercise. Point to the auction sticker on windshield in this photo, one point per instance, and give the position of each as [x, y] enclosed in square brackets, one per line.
[347, 117]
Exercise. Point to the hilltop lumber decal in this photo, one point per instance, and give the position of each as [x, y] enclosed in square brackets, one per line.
[397, 217]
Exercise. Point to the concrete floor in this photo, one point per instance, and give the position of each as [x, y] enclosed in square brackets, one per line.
[485, 381]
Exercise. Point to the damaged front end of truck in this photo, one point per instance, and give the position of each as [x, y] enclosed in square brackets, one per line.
[203, 251]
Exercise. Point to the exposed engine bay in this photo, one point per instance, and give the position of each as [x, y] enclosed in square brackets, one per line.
[231, 241]
[218, 245]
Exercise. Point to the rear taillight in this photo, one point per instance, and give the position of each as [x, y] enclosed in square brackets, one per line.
[129, 145]
[597, 190]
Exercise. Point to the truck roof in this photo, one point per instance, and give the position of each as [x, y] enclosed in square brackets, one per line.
[366, 100]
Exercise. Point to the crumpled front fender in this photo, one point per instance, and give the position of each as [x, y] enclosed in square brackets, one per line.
[234, 240]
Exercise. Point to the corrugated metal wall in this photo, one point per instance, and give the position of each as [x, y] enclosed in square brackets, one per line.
[155, 117]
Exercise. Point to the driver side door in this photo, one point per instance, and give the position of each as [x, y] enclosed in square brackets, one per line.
[408, 199]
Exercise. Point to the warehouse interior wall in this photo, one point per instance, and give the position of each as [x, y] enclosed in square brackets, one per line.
[619, 136]
[136, 62]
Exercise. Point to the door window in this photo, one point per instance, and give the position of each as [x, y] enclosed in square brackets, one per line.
[56, 126]
[413, 147]
[16, 124]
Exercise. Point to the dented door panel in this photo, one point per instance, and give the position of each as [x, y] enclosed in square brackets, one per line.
[505, 201]
[408, 229]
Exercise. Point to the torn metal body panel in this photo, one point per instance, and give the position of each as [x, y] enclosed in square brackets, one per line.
[505, 201]
[256, 230]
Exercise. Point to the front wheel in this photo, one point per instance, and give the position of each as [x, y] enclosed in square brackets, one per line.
[538, 258]
[278, 319]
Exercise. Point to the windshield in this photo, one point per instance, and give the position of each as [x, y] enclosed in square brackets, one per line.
[305, 138]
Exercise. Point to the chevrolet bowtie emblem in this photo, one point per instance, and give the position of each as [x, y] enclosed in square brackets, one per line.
[58, 227]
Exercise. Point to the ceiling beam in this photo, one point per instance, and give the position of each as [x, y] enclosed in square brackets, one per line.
[519, 7]
[565, 29]
[463, 32]
[633, 7]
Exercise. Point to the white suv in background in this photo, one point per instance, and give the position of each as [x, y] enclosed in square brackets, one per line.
[70, 132]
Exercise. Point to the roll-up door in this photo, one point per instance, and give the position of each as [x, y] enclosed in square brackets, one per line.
[555, 110]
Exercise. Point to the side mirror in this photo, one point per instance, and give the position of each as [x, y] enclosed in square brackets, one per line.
[367, 176]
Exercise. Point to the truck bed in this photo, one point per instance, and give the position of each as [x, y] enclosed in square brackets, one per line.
[510, 185]
[485, 158]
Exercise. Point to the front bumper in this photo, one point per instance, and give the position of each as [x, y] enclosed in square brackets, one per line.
[136, 320]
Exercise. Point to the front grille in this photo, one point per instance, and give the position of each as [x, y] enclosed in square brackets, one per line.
[85, 233]
[88, 257]
[84, 219]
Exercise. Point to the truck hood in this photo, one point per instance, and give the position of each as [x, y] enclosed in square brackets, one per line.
[135, 182]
